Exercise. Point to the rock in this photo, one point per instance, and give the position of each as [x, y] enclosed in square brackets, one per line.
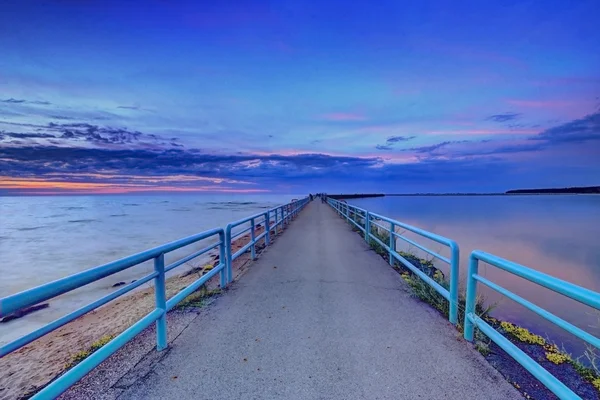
[118, 284]
[258, 226]
[133, 281]
[23, 312]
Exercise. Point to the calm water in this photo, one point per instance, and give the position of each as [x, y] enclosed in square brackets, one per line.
[46, 238]
[558, 235]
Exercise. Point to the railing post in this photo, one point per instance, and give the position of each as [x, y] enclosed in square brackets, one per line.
[252, 236]
[160, 297]
[276, 222]
[367, 226]
[228, 253]
[268, 228]
[454, 271]
[392, 242]
[222, 259]
[471, 297]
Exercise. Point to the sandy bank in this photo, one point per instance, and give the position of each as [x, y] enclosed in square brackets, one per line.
[30, 368]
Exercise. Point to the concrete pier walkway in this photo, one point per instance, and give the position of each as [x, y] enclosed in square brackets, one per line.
[321, 316]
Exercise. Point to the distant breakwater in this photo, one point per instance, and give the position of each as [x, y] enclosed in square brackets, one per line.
[355, 195]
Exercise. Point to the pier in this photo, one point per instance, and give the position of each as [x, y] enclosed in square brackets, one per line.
[317, 314]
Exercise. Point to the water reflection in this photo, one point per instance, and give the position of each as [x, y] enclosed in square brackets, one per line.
[554, 234]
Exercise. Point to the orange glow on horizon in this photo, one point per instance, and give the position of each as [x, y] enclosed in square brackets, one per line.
[63, 186]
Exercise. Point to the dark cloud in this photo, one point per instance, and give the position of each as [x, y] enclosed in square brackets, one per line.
[389, 143]
[576, 131]
[13, 101]
[37, 161]
[61, 117]
[22, 101]
[61, 149]
[505, 117]
[95, 134]
[432, 148]
[15, 135]
[72, 134]
[396, 139]
[134, 108]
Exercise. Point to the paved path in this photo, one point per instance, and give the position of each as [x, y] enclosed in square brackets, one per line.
[320, 316]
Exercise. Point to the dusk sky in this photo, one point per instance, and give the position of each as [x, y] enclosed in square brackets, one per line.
[298, 96]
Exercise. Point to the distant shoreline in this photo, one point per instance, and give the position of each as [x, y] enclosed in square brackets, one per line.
[354, 196]
[585, 190]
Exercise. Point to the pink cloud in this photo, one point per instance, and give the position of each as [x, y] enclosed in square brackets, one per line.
[343, 117]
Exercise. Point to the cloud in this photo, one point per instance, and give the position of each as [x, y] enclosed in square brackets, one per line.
[392, 140]
[78, 133]
[21, 101]
[576, 131]
[396, 139]
[14, 135]
[432, 148]
[61, 117]
[40, 161]
[134, 108]
[508, 116]
[44, 152]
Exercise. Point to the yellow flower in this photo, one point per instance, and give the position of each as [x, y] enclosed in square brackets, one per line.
[557, 358]
[522, 334]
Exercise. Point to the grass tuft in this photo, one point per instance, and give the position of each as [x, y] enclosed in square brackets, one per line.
[198, 298]
[82, 355]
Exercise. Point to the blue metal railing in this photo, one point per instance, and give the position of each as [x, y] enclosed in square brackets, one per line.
[370, 220]
[281, 215]
[582, 295]
[472, 321]
[10, 304]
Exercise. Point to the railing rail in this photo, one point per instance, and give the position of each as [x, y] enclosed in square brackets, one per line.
[283, 216]
[371, 219]
[10, 304]
[580, 294]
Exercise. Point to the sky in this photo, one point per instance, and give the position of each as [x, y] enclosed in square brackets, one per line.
[298, 96]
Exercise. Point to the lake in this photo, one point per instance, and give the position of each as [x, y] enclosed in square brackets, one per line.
[555, 234]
